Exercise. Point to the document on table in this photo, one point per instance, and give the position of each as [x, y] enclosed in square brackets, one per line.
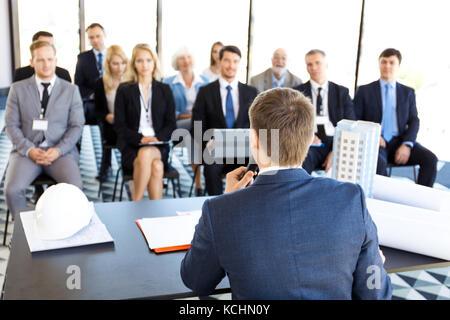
[93, 233]
[411, 194]
[411, 229]
[172, 233]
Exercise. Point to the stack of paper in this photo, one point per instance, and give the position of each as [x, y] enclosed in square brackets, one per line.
[93, 233]
[167, 234]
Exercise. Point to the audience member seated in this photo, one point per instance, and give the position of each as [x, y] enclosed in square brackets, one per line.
[115, 66]
[277, 76]
[332, 104]
[213, 71]
[44, 120]
[144, 112]
[393, 105]
[287, 235]
[89, 68]
[28, 71]
[185, 85]
[223, 103]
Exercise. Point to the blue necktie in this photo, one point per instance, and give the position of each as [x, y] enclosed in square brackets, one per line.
[387, 114]
[100, 63]
[229, 115]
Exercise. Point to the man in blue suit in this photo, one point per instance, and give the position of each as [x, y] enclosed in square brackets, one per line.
[287, 235]
[332, 102]
[393, 105]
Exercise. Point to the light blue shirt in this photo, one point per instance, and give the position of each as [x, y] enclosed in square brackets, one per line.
[278, 83]
[103, 58]
[393, 85]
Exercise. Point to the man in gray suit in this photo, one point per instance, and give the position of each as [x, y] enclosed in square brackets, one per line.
[276, 77]
[44, 120]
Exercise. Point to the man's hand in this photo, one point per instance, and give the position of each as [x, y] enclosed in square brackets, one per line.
[328, 162]
[316, 140]
[382, 255]
[382, 142]
[52, 154]
[37, 155]
[110, 118]
[402, 154]
[149, 139]
[234, 181]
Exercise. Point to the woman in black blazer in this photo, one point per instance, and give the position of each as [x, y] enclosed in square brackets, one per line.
[115, 66]
[144, 113]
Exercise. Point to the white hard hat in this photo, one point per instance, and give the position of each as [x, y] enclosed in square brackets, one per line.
[62, 211]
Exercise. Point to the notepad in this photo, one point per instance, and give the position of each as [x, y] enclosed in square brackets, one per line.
[166, 234]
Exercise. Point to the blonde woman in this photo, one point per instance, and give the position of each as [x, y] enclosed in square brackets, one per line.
[144, 113]
[213, 71]
[115, 66]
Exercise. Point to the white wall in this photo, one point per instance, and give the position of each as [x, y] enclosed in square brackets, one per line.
[5, 46]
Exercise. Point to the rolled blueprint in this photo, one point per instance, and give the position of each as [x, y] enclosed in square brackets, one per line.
[412, 229]
[411, 194]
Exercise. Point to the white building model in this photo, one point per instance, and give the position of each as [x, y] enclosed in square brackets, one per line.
[355, 153]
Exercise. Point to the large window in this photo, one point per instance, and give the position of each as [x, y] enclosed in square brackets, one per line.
[197, 24]
[56, 16]
[419, 30]
[299, 26]
[126, 23]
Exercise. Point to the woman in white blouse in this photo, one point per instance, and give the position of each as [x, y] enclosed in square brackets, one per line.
[144, 114]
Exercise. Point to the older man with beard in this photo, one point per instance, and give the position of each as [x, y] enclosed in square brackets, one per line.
[276, 77]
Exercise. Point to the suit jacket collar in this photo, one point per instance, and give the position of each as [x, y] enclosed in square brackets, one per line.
[218, 103]
[282, 176]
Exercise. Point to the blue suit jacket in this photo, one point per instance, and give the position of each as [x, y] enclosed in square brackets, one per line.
[369, 107]
[179, 93]
[287, 236]
[340, 105]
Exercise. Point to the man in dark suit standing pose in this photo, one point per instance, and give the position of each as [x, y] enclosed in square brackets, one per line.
[288, 235]
[332, 103]
[393, 105]
[89, 68]
[223, 103]
[28, 71]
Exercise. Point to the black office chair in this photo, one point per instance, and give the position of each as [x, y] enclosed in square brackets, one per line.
[41, 180]
[393, 165]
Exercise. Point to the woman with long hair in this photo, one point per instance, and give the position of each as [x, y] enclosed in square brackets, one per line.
[213, 71]
[115, 66]
[144, 121]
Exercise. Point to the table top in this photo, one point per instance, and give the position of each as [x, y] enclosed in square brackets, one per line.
[125, 269]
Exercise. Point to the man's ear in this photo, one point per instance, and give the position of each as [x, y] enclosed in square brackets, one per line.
[31, 63]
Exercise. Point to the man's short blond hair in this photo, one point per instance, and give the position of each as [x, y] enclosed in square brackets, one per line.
[292, 114]
[39, 44]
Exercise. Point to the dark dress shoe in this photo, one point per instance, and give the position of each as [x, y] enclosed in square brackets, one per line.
[199, 193]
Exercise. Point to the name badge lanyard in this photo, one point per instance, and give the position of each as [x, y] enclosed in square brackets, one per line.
[146, 107]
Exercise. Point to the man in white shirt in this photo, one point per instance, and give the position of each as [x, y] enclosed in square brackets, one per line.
[332, 103]
[223, 103]
[277, 76]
